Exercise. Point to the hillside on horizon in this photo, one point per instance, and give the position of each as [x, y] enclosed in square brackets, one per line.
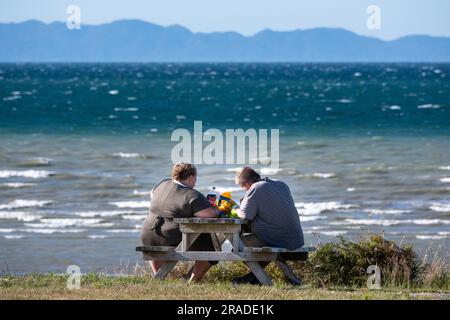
[140, 41]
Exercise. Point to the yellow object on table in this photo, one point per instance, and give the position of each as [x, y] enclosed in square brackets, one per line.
[225, 204]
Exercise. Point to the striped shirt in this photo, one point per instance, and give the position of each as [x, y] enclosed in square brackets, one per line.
[269, 205]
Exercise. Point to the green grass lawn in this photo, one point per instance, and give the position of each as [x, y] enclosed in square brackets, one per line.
[334, 271]
[95, 286]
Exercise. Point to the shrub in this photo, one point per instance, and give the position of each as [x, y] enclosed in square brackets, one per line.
[345, 263]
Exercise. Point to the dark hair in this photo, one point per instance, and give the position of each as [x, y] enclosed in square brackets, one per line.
[182, 171]
[247, 175]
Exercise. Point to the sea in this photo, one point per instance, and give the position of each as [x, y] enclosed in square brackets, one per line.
[364, 148]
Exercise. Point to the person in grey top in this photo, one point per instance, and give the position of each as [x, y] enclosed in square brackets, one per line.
[177, 198]
[270, 208]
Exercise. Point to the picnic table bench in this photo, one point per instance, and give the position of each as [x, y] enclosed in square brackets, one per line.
[222, 229]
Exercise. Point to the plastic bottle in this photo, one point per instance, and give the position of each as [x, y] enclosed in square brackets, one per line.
[212, 197]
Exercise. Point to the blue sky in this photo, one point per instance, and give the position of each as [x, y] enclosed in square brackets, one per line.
[398, 17]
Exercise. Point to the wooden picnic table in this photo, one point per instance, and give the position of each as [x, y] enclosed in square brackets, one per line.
[221, 229]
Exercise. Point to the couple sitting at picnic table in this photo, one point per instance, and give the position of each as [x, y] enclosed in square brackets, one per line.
[267, 205]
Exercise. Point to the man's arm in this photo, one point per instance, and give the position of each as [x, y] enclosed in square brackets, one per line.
[249, 206]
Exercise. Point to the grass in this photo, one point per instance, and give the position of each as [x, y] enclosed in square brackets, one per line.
[334, 271]
[95, 286]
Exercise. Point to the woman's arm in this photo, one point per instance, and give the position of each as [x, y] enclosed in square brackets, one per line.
[207, 213]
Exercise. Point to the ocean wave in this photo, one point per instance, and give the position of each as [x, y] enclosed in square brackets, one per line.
[318, 175]
[17, 185]
[393, 108]
[141, 193]
[397, 222]
[262, 160]
[354, 227]
[445, 180]
[444, 168]
[130, 155]
[324, 175]
[375, 169]
[113, 213]
[131, 204]
[126, 109]
[314, 208]
[311, 218]
[37, 162]
[33, 174]
[12, 98]
[374, 222]
[12, 237]
[134, 217]
[429, 221]
[312, 145]
[386, 211]
[317, 227]
[126, 155]
[429, 106]
[430, 237]
[21, 216]
[113, 92]
[440, 207]
[6, 230]
[270, 171]
[90, 175]
[97, 236]
[332, 233]
[67, 222]
[52, 231]
[233, 169]
[123, 230]
[19, 203]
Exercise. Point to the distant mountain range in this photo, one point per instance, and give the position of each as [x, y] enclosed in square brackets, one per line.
[139, 41]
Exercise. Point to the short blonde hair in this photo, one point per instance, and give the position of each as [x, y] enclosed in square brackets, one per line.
[182, 171]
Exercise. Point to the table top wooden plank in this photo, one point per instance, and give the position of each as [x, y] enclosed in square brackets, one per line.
[209, 221]
[208, 228]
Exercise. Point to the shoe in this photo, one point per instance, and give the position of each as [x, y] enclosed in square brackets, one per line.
[249, 278]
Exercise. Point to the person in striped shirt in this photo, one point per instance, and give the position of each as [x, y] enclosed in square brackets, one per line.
[273, 217]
